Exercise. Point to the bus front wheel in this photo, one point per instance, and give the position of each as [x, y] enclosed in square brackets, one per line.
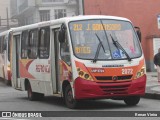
[68, 97]
[133, 100]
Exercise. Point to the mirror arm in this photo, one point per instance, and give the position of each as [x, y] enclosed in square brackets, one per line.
[138, 31]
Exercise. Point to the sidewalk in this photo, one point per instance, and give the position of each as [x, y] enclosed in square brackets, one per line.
[152, 86]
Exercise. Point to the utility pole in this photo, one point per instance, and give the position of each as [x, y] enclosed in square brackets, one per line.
[77, 7]
[7, 19]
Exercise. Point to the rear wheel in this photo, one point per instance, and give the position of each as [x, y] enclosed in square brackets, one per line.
[32, 95]
[133, 100]
[7, 82]
[68, 97]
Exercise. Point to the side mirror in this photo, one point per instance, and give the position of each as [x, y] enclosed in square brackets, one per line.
[61, 35]
[138, 31]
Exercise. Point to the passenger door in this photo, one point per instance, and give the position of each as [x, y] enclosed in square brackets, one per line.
[60, 61]
[15, 61]
[55, 71]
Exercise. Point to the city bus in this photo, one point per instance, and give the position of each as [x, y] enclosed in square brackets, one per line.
[5, 70]
[79, 58]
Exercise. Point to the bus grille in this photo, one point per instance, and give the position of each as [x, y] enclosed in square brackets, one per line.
[121, 89]
[127, 77]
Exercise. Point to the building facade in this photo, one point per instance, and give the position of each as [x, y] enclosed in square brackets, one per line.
[142, 13]
[5, 20]
[33, 11]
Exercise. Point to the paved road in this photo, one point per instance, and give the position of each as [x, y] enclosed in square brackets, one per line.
[13, 100]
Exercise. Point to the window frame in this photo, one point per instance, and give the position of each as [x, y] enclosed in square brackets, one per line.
[33, 45]
[57, 12]
[1, 38]
[104, 59]
[3, 44]
[25, 44]
[44, 15]
[9, 46]
[39, 42]
[67, 39]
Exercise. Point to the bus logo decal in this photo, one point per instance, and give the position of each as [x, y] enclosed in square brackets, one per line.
[114, 78]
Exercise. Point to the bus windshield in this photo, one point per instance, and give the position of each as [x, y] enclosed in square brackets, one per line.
[95, 39]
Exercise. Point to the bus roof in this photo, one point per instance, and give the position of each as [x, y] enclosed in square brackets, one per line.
[4, 33]
[84, 17]
[66, 20]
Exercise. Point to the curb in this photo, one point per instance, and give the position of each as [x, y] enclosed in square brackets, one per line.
[152, 96]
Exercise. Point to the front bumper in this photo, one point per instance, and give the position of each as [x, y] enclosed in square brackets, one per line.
[91, 90]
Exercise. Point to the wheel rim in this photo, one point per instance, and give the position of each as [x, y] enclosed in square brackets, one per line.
[70, 96]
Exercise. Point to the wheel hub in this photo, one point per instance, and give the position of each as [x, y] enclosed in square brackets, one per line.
[70, 96]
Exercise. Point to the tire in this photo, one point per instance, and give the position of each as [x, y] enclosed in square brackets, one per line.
[7, 82]
[68, 97]
[40, 96]
[132, 101]
[32, 96]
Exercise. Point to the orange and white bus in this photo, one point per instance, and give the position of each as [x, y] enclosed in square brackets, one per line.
[81, 57]
[5, 72]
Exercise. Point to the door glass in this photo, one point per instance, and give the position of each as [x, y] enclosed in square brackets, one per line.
[17, 39]
[65, 54]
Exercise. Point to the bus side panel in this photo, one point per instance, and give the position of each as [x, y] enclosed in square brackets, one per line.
[38, 73]
[6, 69]
[5, 66]
[1, 66]
[22, 84]
[38, 86]
[46, 87]
[35, 85]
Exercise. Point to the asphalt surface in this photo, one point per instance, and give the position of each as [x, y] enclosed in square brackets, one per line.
[13, 100]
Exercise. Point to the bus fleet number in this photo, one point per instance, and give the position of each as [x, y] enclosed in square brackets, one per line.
[127, 71]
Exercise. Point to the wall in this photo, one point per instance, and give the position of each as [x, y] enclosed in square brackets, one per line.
[142, 13]
[3, 5]
[70, 11]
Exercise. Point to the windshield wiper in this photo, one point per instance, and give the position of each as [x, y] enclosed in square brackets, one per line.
[118, 45]
[100, 42]
[98, 49]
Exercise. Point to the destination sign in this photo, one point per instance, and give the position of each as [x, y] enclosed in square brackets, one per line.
[96, 27]
[82, 50]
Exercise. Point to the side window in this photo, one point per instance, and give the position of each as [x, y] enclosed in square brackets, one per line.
[9, 46]
[1, 38]
[33, 44]
[65, 53]
[24, 44]
[44, 43]
[2, 44]
[5, 43]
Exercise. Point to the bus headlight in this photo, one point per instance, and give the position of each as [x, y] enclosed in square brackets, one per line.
[138, 74]
[141, 72]
[84, 75]
[81, 73]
